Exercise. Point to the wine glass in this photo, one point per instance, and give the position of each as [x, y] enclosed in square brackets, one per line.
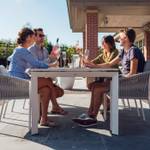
[85, 57]
[86, 54]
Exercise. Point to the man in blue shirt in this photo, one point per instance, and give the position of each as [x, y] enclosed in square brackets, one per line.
[38, 50]
[41, 54]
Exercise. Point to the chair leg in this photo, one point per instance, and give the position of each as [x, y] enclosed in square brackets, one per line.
[149, 103]
[30, 109]
[136, 105]
[5, 109]
[105, 107]
[1, 114]
[128, 104]
[123, 102]
[143, 114]
[24, 103]
[12, 109]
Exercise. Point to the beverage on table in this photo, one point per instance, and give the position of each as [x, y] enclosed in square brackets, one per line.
[64, 58]
[86, 54]
[56, 50]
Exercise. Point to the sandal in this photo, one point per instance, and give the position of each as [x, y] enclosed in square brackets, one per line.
[48, 124]
[59, 112]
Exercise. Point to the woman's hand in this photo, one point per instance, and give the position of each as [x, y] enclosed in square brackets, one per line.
[79, 51]
[88, 63]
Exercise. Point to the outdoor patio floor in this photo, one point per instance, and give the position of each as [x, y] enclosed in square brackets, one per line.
[134, 132]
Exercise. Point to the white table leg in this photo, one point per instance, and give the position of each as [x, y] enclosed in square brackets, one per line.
[34, 105]
[30, 116]
[114, 105]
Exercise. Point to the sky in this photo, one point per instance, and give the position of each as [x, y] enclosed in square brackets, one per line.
[51, 15]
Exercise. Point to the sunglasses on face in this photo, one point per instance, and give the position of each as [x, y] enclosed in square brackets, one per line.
[41, 35]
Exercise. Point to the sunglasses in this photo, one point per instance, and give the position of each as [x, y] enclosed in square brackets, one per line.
[41, 35]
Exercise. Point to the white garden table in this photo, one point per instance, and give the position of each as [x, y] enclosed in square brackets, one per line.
[74, 72]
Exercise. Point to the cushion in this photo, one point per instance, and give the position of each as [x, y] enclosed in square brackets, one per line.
[3, 71]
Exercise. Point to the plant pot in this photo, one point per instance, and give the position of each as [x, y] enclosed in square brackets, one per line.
[66, 82]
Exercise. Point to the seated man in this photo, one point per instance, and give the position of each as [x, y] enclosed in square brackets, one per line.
[41, 54]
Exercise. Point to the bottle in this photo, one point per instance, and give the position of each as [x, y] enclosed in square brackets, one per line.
[56, 50]
[61, 60]
[64, 58]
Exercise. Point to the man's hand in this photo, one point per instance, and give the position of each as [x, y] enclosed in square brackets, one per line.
[55, 64]
[53, 57]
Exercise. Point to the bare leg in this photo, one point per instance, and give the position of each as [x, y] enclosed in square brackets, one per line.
[97, 101]
[91, 88]
[91, 103]
[59, 91]
[45, 96]
[97, 97]
[55, 91]
[53, 96]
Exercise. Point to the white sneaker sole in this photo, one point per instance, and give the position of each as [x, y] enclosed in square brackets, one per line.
[90, 125]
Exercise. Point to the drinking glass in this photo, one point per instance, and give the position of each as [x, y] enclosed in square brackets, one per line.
[86, 54]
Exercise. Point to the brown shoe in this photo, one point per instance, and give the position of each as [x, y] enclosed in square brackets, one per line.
[59, 112]
[48, 124]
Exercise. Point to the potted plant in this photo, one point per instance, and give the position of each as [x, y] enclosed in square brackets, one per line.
[67, 82]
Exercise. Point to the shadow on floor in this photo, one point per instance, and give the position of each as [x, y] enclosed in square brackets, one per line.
[134, 132]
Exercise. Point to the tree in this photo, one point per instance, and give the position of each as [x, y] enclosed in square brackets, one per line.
[48, 45]
[6, 48]
[63, 47]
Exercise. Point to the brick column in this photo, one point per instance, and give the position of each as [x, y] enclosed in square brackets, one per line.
[84, 41]
[91, 33]
[147, 44]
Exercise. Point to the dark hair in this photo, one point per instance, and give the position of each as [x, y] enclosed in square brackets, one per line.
[36, 30]
[23, 34]
[110, 41]
[130, 33]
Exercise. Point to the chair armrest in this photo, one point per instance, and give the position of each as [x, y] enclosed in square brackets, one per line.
[13, 87]
[136, 86]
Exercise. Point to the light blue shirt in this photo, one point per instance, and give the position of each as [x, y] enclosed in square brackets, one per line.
[20, 59]
[39, 53]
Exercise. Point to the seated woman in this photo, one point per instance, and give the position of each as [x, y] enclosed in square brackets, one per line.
[20, 59]
[132, 61]
[108, 53]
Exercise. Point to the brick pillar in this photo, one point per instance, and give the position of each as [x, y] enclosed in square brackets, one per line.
[84, 41]
[147, 44]
[91, 33]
